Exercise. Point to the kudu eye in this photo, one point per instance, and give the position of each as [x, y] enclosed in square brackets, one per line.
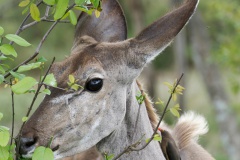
[94, 85]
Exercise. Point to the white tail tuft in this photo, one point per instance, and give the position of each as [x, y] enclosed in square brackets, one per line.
[188, 128]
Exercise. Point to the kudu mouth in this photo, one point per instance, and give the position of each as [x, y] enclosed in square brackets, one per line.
[27, 146]
[30, 153]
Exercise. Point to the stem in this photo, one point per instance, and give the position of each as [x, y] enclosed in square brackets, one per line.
[13, 115]
[39, 87]
[50, 20]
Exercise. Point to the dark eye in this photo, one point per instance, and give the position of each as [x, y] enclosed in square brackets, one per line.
[94, 85]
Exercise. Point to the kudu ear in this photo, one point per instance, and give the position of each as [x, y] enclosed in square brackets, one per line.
[109, 27]
[156, 37]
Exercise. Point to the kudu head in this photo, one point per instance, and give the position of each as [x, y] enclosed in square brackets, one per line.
[106, 65]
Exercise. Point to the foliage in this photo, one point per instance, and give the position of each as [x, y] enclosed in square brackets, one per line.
[174, 90]
[73, 83]
[4, 139]
[18, 79]
[43, 153]
[140, 97]
[108, 156]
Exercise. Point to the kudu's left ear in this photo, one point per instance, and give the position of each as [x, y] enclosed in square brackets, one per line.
[156, 37]
[109, 27]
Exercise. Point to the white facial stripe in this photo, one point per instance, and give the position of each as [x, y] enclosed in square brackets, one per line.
[62, 98]
[72, 113]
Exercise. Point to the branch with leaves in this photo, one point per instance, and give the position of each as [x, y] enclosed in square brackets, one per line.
[16, 78]
[174, 90]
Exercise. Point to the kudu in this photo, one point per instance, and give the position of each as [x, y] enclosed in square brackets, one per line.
[101, 116]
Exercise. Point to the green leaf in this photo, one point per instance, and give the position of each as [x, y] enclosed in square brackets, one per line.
[7, 49]
[17, 39]
[61, 8]
[41, 59]
[17, 75]
[84, 9]
[24, 85]
[95, 3]
[46, 91]
[32, 91]
[73, 18]
[177, 107]
[5, 65]
[25, 10]
[4, 154]
[5, 136]
[2, 58]
[43, 153]
[1, 79]
[147, 140]
[1, 31]
[175, 112]
[75, 87]
[50, 80]
[1, 116]
[28, 67]
[79, 2]
[71, 78]
[24, 3]
[88, 2]
[157, 137]
[65, 16]
[109, 157]
[140, 98]
[2, 70]
[97, 13]
[49, 2]
[24, 119]
[35, 13]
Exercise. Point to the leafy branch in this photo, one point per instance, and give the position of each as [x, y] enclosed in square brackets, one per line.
[133, 147]
[32, 103]
[19, 83]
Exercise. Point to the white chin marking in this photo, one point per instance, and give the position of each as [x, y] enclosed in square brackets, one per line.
[29, 154]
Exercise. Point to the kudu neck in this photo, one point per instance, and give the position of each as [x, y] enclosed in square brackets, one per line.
[136, 125]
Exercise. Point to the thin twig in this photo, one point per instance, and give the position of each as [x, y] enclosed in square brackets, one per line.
[39, 87]
[13, 114]
[129, 148]
[50, 20]
[132, 147]
[40, 84]
[47, 11]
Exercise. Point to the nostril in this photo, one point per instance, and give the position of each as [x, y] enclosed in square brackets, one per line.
[31, 142]
[27, 145]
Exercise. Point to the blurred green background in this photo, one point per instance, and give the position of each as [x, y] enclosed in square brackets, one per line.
[217, 46]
